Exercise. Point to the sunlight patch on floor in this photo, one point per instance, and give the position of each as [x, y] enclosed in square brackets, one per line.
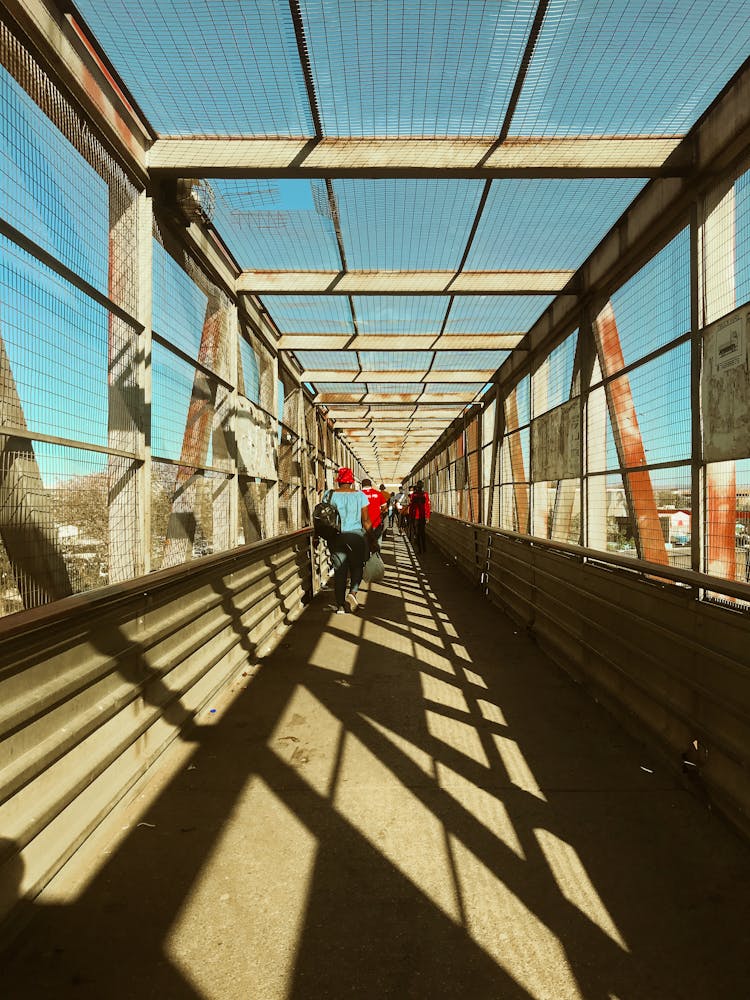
[443, 693]
[491, 712]
[306, 738]
[334, 652]
[460, 652]
[420, 757]
[459, 736]
[504, 926]
[394, 820]
[519, 772]
[575, 884]
[390, 639]
[255, 883]
[474, 678]
[430, 658]
[486, 808]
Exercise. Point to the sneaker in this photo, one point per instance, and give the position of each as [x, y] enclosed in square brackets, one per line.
[351, 600]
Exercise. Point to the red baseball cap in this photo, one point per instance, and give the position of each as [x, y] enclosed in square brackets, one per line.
[345, 475]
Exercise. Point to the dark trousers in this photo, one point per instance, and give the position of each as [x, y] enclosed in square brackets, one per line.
[348, 555]
[419, 524]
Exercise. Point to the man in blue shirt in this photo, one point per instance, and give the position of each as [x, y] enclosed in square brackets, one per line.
[350, 549]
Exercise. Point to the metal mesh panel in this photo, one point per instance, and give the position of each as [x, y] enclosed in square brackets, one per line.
[406, 224]
[69, 517]
[255, 520]
[495, 313]
[546, 224]
[189, 514]
[58, 344]
[188, 412]
[226, 69]
[58, 185]
[610, 522]
[646, 515]
[57, 531]
[589, 54]
[552, 382]
[742, 238]
[557, 510]
[403, 68]
[653, 307]
[277, 221]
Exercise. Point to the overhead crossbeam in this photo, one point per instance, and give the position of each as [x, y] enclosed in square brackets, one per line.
[403, 282]
[314, 375]
[401, 397]
[399, 342]
[570, 156]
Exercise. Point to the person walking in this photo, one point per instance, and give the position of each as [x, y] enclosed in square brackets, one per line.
[350, 549]
[377, 501]
[419, 514]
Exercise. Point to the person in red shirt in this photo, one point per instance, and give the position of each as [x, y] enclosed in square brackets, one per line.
[377, 501]
[419, 514]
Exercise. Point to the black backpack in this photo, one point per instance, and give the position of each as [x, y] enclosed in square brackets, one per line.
[326, 519]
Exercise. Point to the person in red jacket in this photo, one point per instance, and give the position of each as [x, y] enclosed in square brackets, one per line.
[419, 513]
[377, 501]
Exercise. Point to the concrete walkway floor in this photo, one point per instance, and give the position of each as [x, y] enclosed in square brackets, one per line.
[410, 803]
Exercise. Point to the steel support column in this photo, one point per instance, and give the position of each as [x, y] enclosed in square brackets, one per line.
[628, 441]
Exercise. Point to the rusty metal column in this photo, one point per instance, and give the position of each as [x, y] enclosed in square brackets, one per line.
[628, 440]
[195, 441]
[718, 245]
[497, 437]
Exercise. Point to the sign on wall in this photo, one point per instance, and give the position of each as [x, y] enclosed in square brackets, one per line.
[725, 387]
[556, 443]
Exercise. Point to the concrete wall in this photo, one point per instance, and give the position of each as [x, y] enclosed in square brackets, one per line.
[94, 688]
[675, 670]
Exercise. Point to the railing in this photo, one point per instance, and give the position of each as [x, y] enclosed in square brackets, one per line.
[95, 687]
[673, 667]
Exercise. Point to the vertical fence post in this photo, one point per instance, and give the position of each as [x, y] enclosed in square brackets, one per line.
[145, 308]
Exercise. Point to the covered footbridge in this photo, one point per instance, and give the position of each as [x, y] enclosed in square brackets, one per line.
[499, 247]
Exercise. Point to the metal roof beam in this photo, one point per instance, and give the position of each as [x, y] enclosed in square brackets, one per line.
[395, 397]
[399, 342]
[573, 156]
[403, 282]
[479, 375]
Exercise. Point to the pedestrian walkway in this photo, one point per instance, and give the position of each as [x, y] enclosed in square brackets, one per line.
[410, 802]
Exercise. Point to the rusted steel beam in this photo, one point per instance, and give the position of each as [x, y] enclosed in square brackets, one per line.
[628, 440]
[518, 471]
[403, 282]
[181, 527]
[396, 342]
[571, 156]
[721, 515]
[478, 375]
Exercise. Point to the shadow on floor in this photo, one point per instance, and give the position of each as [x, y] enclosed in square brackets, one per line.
[410, 803]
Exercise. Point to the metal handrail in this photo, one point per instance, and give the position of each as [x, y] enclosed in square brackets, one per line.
[691, 578]
[23, 622]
